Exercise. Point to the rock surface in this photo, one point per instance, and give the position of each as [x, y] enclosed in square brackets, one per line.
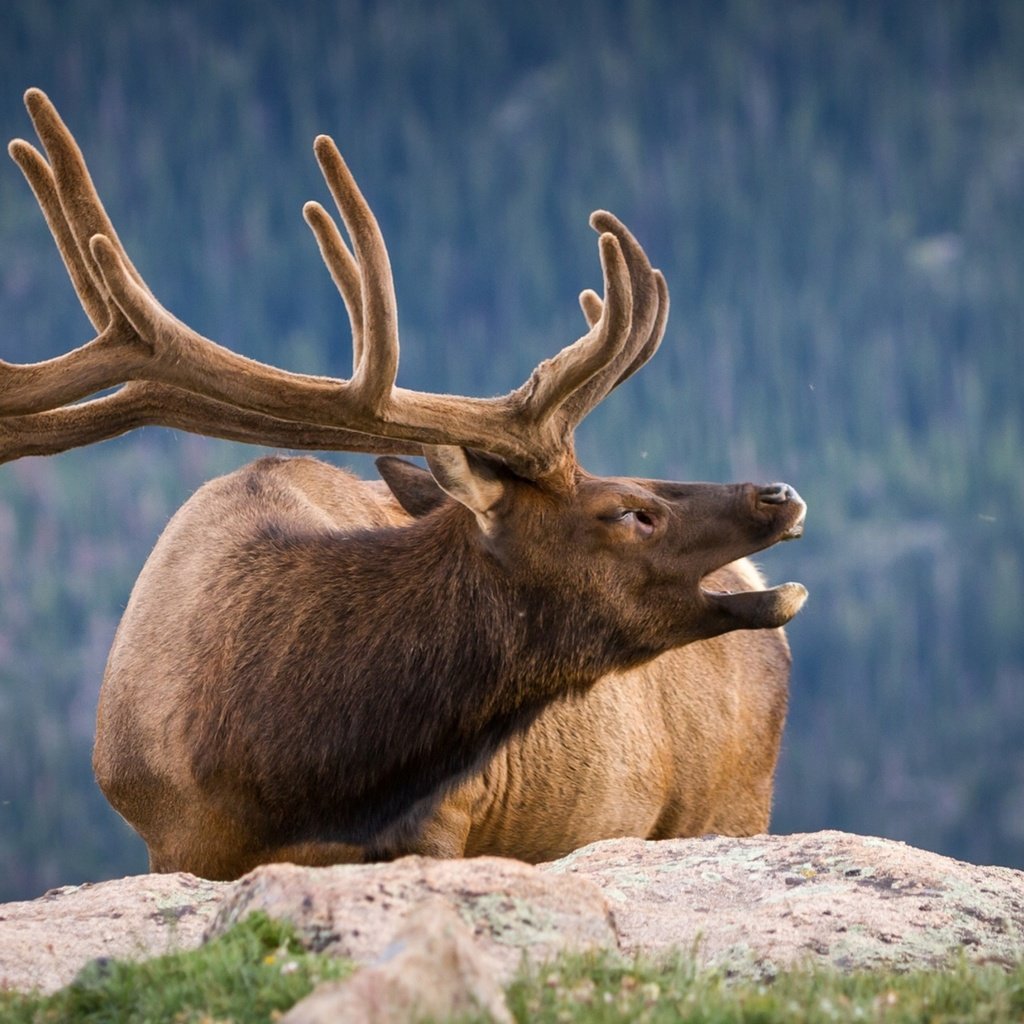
[746, 905]
[756, 905]
[45, 942]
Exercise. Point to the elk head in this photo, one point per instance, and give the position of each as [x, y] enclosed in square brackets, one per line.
[642, 548]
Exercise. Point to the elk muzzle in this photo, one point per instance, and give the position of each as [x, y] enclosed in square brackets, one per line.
[786, 499]
[785, 512]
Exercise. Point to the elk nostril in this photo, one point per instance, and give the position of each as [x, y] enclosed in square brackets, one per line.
[776, 494]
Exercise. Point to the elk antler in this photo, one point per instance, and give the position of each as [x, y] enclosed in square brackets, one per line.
[173, 376]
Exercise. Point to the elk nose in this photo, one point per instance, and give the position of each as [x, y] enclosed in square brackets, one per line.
[790, 506]
[777, 494]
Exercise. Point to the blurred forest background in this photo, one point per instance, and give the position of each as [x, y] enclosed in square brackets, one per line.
[835, 191]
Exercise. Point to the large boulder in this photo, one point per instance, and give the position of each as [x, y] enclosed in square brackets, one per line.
[751, 906]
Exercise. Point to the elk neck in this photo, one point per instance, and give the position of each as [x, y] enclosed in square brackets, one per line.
[411, 649]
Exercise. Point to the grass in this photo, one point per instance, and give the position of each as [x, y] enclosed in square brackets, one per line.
[603, 991]
[255, 971]
[258, 970]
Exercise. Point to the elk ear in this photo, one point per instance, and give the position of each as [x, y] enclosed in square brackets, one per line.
[468, 478]
[413, 487]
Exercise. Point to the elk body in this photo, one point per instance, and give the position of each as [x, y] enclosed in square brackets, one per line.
[508, 655]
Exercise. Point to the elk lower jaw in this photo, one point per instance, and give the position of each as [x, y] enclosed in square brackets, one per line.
[755, 609]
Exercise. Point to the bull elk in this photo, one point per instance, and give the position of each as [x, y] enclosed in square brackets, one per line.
[504, 654]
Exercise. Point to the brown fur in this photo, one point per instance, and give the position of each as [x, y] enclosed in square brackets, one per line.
[219, 734]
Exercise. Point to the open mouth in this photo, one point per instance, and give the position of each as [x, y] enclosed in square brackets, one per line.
[775, 606]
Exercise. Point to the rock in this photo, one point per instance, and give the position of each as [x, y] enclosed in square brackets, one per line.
[45, 942]
[751, 906]
[432, 969]
[352, 910]
[757, 905]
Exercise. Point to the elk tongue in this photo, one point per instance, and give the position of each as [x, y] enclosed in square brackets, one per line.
[759, 609]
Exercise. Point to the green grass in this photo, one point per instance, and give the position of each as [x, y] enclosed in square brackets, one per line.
[602, 992]
[258, 970]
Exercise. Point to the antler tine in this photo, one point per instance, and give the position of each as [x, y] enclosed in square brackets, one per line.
[344, 270]
[40, 178]
[590, 303]
[557, 379]
[657, 334]
[376, 366]
[83, 209]
[650, 294]
[65, 194]
[650, 311]
[144, 403]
